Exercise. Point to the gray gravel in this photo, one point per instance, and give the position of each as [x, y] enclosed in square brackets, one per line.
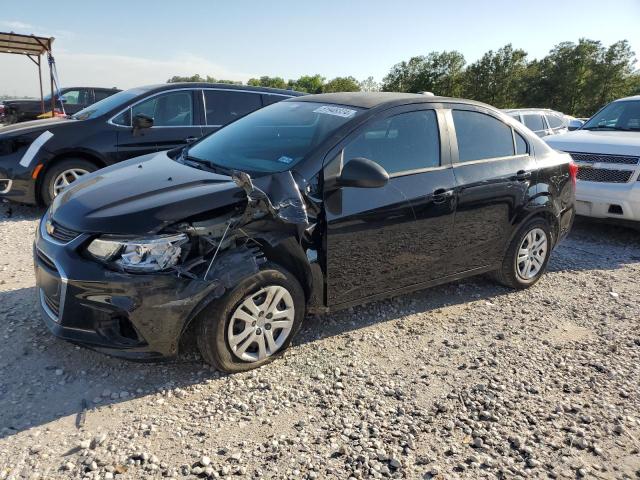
[467, 380]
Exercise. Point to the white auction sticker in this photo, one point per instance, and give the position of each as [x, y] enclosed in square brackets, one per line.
[333, 110]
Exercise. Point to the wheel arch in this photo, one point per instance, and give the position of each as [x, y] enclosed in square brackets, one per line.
[80, 154]
[541, 212]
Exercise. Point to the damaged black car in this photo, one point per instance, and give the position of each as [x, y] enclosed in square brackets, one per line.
[308, 205]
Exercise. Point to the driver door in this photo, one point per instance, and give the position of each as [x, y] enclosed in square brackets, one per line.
[385, 239]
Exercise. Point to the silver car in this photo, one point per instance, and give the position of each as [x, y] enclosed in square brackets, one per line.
[542, 121]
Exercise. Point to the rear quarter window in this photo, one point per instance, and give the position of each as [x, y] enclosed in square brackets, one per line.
[481, 136]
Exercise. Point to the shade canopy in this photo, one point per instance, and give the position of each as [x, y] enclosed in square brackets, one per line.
[19, 44]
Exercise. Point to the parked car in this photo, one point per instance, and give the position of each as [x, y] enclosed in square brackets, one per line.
[312, 204]
[607, 151]
[38, 159]
[71, 100]
[541, 121]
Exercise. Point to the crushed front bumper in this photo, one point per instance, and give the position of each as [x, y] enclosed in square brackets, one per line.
[139, 317]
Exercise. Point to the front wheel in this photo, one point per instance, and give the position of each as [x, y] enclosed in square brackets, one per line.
[253, 323]
[527, 256]
[60, 175]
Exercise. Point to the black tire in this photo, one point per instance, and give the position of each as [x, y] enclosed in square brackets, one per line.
[47, 186]
[214, 321]
[508, 275]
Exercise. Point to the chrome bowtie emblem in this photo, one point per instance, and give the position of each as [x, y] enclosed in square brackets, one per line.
[50, 227]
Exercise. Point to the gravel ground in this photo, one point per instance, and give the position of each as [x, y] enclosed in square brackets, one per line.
[467, 380]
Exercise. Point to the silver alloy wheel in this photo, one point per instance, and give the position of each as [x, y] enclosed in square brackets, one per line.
[261, 324]
[64, 179]
[532, 254]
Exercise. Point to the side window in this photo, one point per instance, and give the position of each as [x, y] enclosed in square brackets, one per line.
[72, 97]
[102, 94]
[269, 99]
[481, 136]
[515, 116]
[407, 141]
[534, 121]
[224, 106]
[521, 144]
[169, 110]
[554, 121]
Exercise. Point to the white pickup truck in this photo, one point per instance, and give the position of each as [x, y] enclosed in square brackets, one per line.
[607, 152]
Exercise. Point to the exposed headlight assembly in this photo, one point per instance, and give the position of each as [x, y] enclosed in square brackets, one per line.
[151, 254]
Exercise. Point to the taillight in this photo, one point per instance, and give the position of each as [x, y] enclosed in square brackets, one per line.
[573, 172]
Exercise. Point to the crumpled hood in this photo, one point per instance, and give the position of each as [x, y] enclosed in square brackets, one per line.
[35, 126]
[141, 196]
[597, 141]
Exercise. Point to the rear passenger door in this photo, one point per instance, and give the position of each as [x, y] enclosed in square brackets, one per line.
[225, 106]
[495, 177]
[385, 239]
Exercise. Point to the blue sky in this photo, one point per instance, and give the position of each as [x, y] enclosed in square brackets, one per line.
[124, 44]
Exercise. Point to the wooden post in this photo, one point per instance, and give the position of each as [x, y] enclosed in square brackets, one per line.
[40, 77]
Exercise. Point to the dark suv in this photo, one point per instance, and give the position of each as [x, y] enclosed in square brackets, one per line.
[71, 100]
[312, 204]
[38, 159]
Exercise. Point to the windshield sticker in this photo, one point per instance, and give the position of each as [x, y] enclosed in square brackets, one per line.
[337, 111]
[285, 159]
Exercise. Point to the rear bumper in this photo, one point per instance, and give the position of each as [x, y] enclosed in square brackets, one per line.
[609, 200]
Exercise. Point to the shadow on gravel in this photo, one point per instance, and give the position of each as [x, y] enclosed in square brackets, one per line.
[10, 212]
[43, 379]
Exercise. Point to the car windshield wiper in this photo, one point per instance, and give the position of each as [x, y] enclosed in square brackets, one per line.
[607, 127]
[201, 164]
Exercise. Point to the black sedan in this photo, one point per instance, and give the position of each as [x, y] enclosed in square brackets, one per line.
[312, 204]
[39, 159]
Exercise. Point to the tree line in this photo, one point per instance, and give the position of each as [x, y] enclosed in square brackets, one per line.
[574, 78]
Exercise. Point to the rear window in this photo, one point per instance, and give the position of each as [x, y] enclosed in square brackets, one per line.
[481, 136]
[533, 121]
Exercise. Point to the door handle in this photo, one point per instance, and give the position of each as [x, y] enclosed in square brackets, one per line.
[190, 139]
[441, 195]
[523, 175]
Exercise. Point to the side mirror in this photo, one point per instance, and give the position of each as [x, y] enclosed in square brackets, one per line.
[362, 173]
[574, 124]
[141, 121]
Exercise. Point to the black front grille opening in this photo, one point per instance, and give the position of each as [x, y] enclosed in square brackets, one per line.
[52, 303]
[46, 261]
[119, 330]
[616, 209]
[63, 234]
[604, 175]
[4, 184]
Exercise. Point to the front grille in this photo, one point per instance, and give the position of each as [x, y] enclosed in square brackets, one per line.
[604, 175]
[50, 303]
[62, 234]
[604, 158]
[46, 261]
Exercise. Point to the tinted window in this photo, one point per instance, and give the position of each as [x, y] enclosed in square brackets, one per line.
[168, 110]
[269, 99]
[72, 97]
[274, 138]
[224, 106]
[108, 104]
[534, 121]
[408, 141]
[102, 94]
[481, 136]
[555, 121]
[521, 144]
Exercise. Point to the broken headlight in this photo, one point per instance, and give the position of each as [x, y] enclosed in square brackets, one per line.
[152, 254]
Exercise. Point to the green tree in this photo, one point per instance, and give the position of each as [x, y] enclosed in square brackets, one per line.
[613, 73]
[497, 77]
[266, 81]
[370, 85]
[341, 84]
[307, 83]
[198, 78]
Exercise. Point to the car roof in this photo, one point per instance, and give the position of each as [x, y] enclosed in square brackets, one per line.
[531, 110]
[221, 86]
[377, 99]
[633, 97]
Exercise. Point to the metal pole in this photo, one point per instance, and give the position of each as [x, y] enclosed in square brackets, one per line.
[40, 77]
[53, 97]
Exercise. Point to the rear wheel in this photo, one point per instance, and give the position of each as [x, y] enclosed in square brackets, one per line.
[527, 256]
[253, 323]
[60, 175]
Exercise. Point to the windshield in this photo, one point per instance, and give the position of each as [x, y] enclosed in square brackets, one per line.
[107, 104]
[616, 116]
[272, 139]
